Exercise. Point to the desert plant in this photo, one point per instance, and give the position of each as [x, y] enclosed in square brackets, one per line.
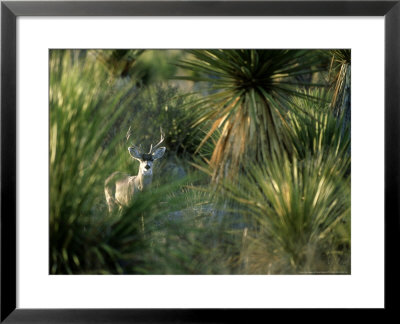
[298, 208]
[248, 101]
[82, 110]
[314, 128]
[341, 83]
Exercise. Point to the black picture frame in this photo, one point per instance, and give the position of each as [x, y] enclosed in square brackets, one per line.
[10, 10]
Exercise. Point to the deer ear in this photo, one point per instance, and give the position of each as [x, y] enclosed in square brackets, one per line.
[135, 153]
[158, 153]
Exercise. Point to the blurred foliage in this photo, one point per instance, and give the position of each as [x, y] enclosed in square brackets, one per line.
[162, 105]
[140, 67]
[121, 63]
[81, 112]
[261, 123]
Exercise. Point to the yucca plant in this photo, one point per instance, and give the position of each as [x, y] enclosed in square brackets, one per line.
[82, 111]
[341, 75]
[248, 101]
[299, 209]
[314, 128]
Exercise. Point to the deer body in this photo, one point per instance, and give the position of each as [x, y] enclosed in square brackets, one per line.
[120, 188]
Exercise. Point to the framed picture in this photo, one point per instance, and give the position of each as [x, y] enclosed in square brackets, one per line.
[229, 118]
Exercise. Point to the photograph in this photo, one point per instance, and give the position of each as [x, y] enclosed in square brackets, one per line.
[199, 161]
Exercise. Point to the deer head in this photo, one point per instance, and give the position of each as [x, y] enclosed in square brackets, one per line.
[146, 159]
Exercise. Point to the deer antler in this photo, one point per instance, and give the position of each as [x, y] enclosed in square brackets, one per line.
[152, 148]
[128, 135]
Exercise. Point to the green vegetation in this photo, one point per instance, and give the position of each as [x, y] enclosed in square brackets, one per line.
[255, 178]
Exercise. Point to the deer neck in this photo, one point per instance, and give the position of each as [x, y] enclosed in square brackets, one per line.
[143, 181]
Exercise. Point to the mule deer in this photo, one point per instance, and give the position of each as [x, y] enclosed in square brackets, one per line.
[120, 188]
